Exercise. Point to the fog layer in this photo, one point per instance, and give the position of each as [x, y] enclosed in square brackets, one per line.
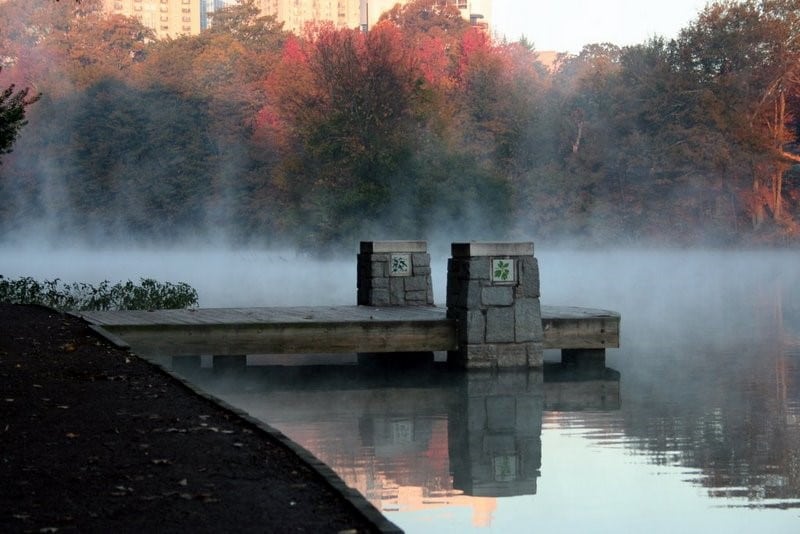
[661, 294]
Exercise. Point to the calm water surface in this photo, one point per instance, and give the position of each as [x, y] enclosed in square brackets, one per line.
[693, 426]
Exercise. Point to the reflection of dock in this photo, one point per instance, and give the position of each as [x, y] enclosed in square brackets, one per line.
[335, 329]
[569, 388]
[425, 426]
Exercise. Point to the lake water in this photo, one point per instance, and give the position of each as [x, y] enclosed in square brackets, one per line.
[693, 426]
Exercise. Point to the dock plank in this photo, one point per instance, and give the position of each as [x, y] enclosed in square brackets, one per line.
[570, 327]
[306, 329]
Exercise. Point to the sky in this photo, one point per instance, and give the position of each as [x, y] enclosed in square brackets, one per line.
[567, 25]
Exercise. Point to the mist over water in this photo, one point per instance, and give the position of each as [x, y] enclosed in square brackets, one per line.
[704, 437]
[658, 291]
[223, 277]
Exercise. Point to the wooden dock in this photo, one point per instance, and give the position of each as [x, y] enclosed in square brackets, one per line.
[332, 329]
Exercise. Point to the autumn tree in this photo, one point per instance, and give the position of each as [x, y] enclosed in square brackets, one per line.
[344, 103]
[102, 46]
[746, 56]
[427, 17]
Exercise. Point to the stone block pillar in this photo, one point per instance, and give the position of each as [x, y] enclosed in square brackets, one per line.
[493, 293]
[394, 273]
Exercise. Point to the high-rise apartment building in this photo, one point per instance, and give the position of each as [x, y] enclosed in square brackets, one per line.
[170, 18]
[167, 18]
[209, 6]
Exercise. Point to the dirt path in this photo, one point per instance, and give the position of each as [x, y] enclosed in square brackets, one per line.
[94, 439]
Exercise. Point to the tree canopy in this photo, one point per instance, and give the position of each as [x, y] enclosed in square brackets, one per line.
[422, 126]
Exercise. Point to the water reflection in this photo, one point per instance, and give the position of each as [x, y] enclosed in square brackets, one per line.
[417, 436]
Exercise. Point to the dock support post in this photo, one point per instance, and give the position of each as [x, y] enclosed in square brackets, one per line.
[584, 357]
[493, 293]
[394, 273]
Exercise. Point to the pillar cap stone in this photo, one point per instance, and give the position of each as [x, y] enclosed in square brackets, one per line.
[474, 249]
[377, 247]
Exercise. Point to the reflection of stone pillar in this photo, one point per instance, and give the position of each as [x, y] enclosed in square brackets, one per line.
[397, 435]
[394, 273]
[493, 293]
[495, 442]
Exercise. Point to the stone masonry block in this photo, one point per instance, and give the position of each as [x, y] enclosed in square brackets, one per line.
[528, 278]
[366, 259]
[480, 356]
[379, 297]
[473, 296]
[497, 296]
[472, 249]
[535, 354]
[467, 295]
[527, 320]
[416, 298]
[420, 260]
[422, 270]
[396, 291]
[378, 269]
[415, 283]
[479, 268]
[500, 325]
[367, 247]
[469, 269]
[512, 355]
[476, 327]
[379, 283]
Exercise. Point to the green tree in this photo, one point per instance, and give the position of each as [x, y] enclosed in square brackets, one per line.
[428, 17]
[244, 22]
[12, 114]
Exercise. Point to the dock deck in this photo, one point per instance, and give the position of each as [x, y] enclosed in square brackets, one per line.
[331, 329]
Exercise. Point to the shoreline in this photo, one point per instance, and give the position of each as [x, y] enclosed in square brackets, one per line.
[94, 438]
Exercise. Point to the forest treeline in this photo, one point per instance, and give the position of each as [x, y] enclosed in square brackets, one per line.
[422, 127]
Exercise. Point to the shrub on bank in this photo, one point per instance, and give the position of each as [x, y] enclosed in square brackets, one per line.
[149, 294]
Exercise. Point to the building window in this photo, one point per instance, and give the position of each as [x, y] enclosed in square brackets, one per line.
[137, 8]
[164, 18]
[187, 28]
[186, 10]
[164, 28]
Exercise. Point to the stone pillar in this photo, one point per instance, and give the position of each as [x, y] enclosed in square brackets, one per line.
[394, 273]
[493, 293]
